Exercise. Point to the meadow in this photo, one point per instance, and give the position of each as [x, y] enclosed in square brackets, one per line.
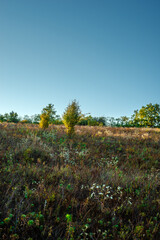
[103, 183]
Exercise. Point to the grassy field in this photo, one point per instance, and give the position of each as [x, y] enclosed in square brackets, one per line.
[104, 183]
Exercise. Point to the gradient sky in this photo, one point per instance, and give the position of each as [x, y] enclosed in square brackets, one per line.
[104, 53]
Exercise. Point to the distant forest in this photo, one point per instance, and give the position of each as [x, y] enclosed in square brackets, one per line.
[147, 116]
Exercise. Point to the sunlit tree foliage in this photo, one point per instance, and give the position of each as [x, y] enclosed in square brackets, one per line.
[71, 117]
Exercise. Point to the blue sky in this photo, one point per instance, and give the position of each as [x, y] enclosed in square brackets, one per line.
[104, 53]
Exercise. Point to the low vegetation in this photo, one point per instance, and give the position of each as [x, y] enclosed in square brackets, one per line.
[104, 183]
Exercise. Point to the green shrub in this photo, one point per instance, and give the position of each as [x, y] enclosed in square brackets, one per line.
[50, 112]
[71, 117]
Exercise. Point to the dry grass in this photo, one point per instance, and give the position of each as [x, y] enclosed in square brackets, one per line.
[104, 183]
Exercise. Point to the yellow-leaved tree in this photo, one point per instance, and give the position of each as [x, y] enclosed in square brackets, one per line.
[44, 122]
[71, 117]
[47, 116]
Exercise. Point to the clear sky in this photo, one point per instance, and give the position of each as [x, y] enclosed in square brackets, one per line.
[104, 53]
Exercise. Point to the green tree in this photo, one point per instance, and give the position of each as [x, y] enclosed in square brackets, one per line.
[124, 121]
[92, 121]
[50, 111]
[2, 118]
[111, 121]
[148, 115]
[71, 117]
[35, 118]
[58, 120]
[11, 117]
[27, 119]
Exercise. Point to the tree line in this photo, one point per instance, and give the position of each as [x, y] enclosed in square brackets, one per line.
[147, 116]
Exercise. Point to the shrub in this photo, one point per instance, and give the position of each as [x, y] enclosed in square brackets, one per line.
[24, 121]
[50, 112]
[44, 122]
[71, 117]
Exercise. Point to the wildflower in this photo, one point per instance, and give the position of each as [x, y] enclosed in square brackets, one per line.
[92, 194]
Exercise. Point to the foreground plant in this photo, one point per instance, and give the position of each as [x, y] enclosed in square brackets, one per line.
[71, 117]
[44, 122]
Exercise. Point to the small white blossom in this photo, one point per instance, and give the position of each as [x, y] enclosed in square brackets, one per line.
[92, 194]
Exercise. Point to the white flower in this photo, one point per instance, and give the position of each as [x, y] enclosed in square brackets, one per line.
[92, 194]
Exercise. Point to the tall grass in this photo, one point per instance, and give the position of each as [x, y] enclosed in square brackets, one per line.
[102, 184]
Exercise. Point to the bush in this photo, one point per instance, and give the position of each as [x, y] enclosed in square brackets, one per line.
[24, 121]
[71, 117]
[50, 112]
[44, 122]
